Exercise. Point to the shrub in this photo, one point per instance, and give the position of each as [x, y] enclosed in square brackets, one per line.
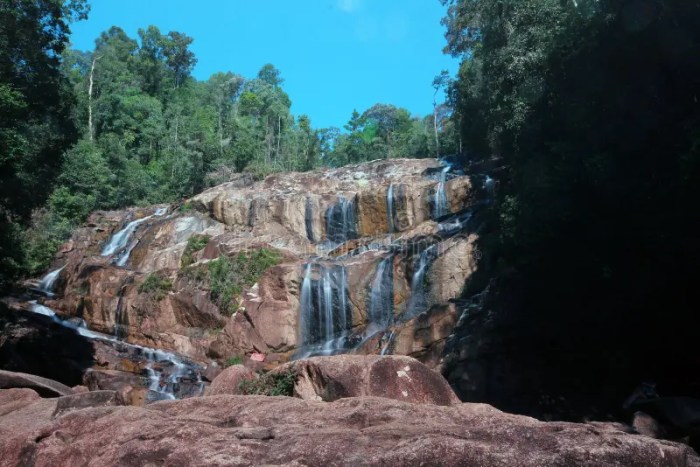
[270, 384]
[157, 285]
[229, 276]
[194, 244]
[195, 273]
[235, 360]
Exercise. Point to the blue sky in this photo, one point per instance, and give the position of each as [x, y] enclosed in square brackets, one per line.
[335, 55]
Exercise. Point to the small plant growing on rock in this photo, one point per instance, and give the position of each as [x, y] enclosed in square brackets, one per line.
[270, 384]
[157, 285]
[229, 276]
[194, 244]
[235, 360]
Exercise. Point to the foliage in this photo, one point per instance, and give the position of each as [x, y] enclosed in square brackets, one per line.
[229, 276]
[157, 285]
[270, 384]
[234, 360]
[126, 124]
[36, 113]
[592, 118]
[194, 244]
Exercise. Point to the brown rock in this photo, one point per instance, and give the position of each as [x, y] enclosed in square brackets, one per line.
[87, 399]
[258, 430]
[44, 386]
[229, 380]
[392, 377]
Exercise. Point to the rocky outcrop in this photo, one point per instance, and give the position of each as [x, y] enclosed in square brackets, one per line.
[259, 430]
[136, 274]
[400, 378]
[32, 343]
[229, 380]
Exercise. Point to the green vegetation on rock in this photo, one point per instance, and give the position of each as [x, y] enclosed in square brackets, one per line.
[269, 384]
[229, 276]
[234, 360]
[194, 244]
[157, 285]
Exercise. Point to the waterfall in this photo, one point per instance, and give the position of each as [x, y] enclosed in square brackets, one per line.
[440, 207]
[455, 224]
[419, 301]
[120, 239]
[325, 315]
[390, 214]
[386, 349]
[168, 386]
[306, 302]
[381, 306]
[341, 221]
[48, 281]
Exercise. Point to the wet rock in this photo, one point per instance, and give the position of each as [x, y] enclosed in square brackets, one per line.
[44, 386]
[259, 430]
[392, 377]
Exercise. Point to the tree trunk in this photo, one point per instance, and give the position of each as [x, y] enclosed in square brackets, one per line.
[91, 132]
[279, 134]
[437, 142]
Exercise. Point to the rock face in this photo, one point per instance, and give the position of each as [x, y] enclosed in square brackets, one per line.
[400, 378]
[259, 430]
[363, 251]
[43, 386]
[228, 381]
[32, 343]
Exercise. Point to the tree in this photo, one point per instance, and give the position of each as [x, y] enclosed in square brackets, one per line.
[36, 112]
[178, 58]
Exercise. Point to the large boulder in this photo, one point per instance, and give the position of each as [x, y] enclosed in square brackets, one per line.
[259, 430]
[229, 380]
[44, 386]
[392, 377]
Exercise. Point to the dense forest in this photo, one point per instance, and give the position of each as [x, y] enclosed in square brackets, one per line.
[589, 113]
[127, 124]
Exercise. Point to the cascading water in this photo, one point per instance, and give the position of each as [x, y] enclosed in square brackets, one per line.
[381, 306]
[48, 281]
[325, 314]
[419, 300]
[390, 212]
[341, 222]
[440, 207]
[167, 385]
[120, 240]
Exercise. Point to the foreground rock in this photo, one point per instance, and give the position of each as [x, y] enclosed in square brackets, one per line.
[393, 377]
[258, 430]
[45, 387]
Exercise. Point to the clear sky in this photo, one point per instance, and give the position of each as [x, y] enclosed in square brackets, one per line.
[335, 55]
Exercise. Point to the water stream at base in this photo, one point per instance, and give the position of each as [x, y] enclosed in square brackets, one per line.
[165, 385]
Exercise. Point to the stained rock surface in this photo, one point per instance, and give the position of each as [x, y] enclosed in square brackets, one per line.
[393, 377]
[376, 254]
[257, 430]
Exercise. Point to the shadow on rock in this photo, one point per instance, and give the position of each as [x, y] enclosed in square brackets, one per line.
[35, 344]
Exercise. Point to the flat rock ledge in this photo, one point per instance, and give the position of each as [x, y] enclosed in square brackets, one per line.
[228, 430]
